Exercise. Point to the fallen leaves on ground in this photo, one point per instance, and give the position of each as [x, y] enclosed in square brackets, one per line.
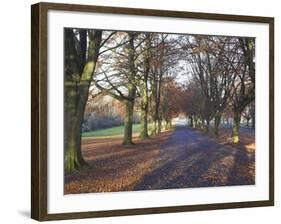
[174, 159]
[112, 166]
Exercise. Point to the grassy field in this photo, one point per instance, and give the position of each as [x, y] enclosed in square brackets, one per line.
[116, 131]
[110, 131]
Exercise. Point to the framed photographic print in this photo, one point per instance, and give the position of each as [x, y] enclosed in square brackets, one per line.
[138, 111]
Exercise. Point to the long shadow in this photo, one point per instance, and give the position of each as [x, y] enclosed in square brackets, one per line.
[187, 176]
[184, 160]
[158, 178]
[183, 172]
[121, 159]
[241, 173]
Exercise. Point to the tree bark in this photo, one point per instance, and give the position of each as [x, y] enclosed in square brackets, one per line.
[156, 106]
[154, 127]
[128, 123]
[144, 115]
[159, 125]
[191, 121]
[77, 82]
[236, 126]
[217, 124]
[73, 160]
[166, 124]
[253, 121]
[144, 90]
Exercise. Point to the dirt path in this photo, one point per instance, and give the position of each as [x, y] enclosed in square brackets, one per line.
[189, 159]
[179, 159]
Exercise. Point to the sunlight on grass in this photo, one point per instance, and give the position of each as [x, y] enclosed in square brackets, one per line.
[110, 131]
[116, 131]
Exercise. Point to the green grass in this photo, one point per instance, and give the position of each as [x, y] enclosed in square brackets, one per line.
[116, 131]
[110, 131]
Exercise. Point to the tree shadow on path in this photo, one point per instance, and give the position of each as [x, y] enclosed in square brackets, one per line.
[189, 159]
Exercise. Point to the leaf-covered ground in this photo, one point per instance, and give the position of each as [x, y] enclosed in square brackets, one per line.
[176, 159]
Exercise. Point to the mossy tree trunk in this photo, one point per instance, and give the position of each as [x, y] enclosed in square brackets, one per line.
[245, 94]
[128, 120]
[128, 123]
[154, 127]
[159, 126]
[165, 113]
[144, 90]
[236, 126]
[79, 72]
[144, 117]
[159, 110]
[155, 105]
[73, 158]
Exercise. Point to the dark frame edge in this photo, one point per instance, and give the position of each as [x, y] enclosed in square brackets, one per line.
[271, 110]
[39, 111]
[38, 117]
[154, 12]
[35, 191]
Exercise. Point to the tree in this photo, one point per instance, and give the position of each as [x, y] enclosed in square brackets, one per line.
[200, 64]
[124, 87]
[164, 68]
[221, 75]
[247, 115]
[244, 84]
[157, 71]
[144, 85]
[80, 62]
[174, 99]
[223, 68]
[190, 105]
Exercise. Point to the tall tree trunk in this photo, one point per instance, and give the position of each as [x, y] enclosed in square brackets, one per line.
[166, 124]
[128, 123]
[144, 90]
[159, 125]
[191, 121]
[144, 115]
[154, 127]
[159, 110]
[156, 106]
[217, 123]
[195, 121]
[77, 84]
[253, 121]
[236, 126]
[71, 138]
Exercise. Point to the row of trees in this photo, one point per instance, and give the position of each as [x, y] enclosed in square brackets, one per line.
[138, 68]
[132, 67]
[144, 70]
[222, 79]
